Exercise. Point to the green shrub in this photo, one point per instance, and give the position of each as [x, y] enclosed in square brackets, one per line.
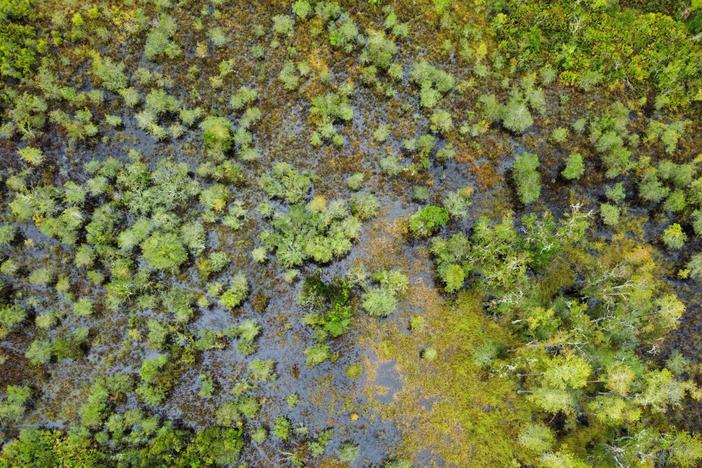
[84, 307]
[283, 25]
[317, 354]
[217, 37]
[326, 110]
[243, 97]
[575, 167]
[355, 181]
[516, 116]
[7, 234]
[216, 133]
[609, 214]
[527, 178]
[675, 202]
[286, 183]
[433, 82]
[19, 45]
[441, 121]
[651, 189]
[343, 33]
[164, 251]
[559, 135]
[427, 220]
[262, 370]
[381, 300]
[281, 428]
[236, 293]
[302, 8]
[13, 406]
[364, 205]
[674, 237]
[31, 155]
[159, 41]
[111, 75]
[616, 193]
[10, 317]
[458, 202]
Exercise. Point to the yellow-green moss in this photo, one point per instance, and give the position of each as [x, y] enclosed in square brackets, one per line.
[448, 406]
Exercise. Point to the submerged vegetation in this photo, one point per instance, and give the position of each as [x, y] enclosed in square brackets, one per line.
[373, 233]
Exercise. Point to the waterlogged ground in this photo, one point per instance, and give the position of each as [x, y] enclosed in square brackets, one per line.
[378, 391]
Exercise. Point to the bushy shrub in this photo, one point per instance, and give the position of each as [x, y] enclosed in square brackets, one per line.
[236, 293]
[343, 33]
[610, 214]
[382, 300]
[286, 183]
[164, 251]
[526, 177]
[108, 73]
[283, 25]
[575, 167]
[159, 41]
[216, 133]
[674, 237]
[326, 110]
[516, 116]
[19, 45]
[441, 121]
[317, 354]
[433, 82]
[32, 155]
[12, 407]
[427, 220]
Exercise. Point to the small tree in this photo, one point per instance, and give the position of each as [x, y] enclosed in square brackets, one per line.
[527, 178]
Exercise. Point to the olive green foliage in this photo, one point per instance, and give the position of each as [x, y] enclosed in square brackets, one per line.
[236, 293]
[109, 74]
[526, 177]
[159, 41]
[330, 304]
[11, 315]
[19, 44]
[608, 134]
[599, 374]
[674, 237]
[515, 114]
[498, 256]
[286, 183]
[612, 45]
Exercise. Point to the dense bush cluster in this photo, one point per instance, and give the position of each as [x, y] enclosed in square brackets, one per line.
[581, 323]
